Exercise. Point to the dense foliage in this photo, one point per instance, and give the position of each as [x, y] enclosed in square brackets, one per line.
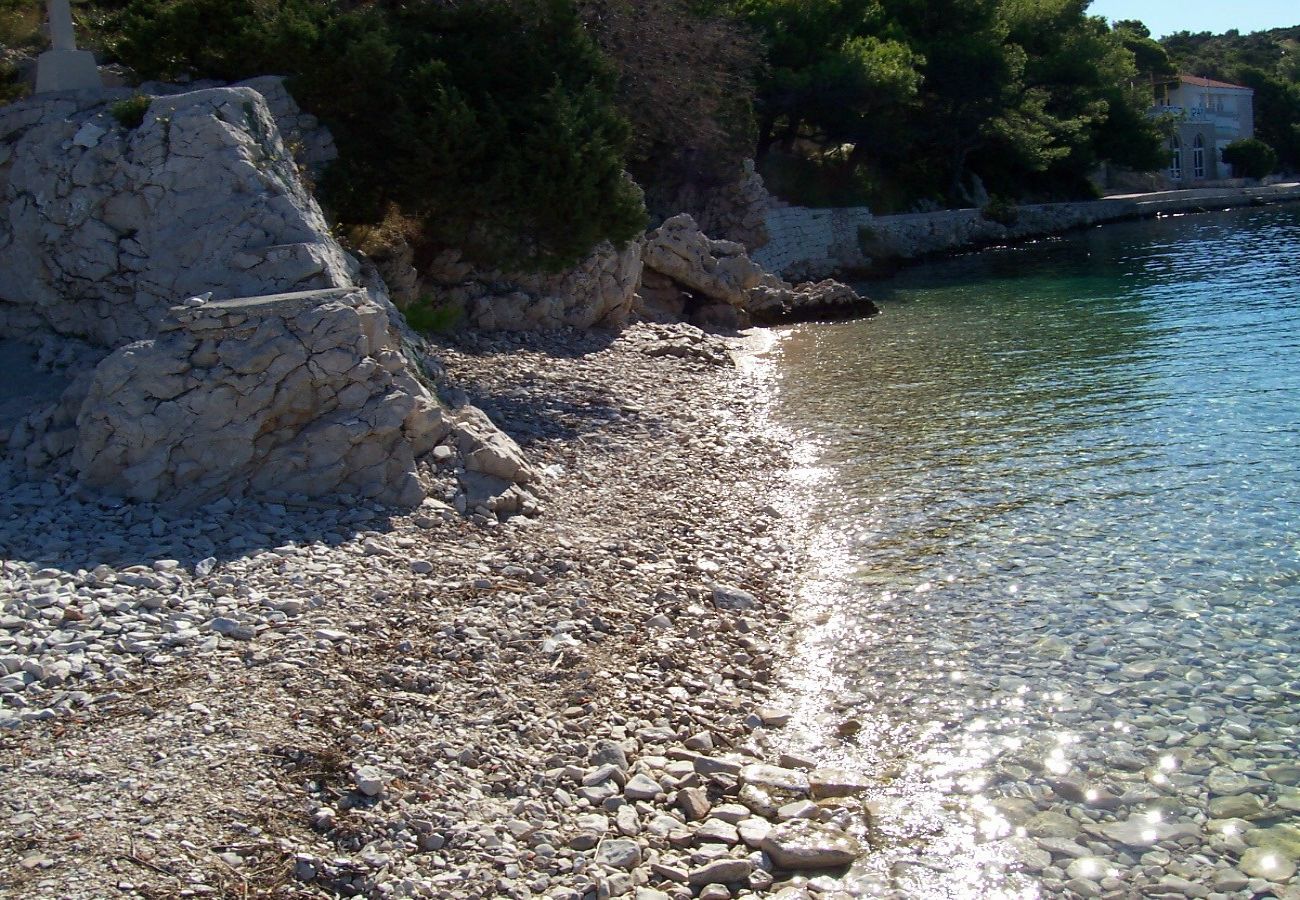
[493, 122]
[686, 86]
[1250, 157]
[1269, 62]
[918, 98]
[503, 126]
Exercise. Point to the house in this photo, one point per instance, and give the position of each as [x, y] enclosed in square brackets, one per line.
[1208, 116]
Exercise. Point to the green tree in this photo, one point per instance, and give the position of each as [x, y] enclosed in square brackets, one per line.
[833, 70]
[1084, 99]
[1277, 113]
[686, 81]
[923, 95]
[1251, 158]
[1267, 62]
[493, 123]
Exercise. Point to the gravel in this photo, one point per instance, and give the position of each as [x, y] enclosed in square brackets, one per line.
[307, 700]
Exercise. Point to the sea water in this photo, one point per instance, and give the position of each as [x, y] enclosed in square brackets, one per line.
[1052, 500]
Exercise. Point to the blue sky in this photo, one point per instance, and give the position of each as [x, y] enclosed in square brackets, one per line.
[1167, 16]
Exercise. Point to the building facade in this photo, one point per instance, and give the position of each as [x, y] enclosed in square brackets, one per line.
[1208, 116]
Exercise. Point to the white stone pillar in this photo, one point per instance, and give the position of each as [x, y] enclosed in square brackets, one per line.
[64, 67]
[61, 37]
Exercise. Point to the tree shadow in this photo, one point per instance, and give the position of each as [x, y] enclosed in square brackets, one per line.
[568, 342]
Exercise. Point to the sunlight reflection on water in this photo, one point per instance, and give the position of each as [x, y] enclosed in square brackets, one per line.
[1052, 497]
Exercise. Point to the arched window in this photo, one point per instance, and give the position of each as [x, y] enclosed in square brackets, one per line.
[1175, 158]
[1198, 157]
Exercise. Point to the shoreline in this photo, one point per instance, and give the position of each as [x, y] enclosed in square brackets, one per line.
[414, 704]
[858, 245]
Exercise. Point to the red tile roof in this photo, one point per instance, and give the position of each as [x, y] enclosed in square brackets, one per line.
[1209, 82]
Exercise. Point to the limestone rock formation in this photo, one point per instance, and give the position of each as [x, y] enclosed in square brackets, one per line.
[777, 301]
[310, 143]
[598, 292]
[232, 346]
[103, 226]
[715, 282]
[716, 269]
[735, 210]
[738, 211]
[301, 394]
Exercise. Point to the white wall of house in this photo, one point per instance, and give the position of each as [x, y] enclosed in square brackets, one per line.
[1227, 109]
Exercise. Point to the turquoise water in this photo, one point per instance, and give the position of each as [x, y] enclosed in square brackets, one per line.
[1054, 500]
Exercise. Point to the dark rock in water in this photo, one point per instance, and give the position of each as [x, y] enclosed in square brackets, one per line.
[809, 302]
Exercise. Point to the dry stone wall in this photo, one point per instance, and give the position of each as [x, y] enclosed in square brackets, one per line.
[810, 242]
[806, 243]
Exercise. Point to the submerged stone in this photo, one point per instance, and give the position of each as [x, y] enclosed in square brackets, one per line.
[800, 844]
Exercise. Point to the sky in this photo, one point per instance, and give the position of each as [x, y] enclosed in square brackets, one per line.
[1167, 16]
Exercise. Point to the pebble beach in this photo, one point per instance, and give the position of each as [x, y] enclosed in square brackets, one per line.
[276, 700]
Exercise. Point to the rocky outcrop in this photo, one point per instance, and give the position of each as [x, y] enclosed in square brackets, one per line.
[734, 210]
[302, 394]
[598, 292]
[307, 140]
[104, 226]
[777, 301]
[281, 375]
[716, 283]
[719, 270]
[738, 211]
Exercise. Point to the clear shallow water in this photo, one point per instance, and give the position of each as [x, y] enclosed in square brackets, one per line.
[1054, 611]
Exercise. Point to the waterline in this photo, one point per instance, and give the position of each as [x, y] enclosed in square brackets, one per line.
[1055, 499]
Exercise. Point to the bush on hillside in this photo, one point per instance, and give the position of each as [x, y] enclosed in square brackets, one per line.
[1250, 158]
[686, 85]
[11, 84]
[491, 122]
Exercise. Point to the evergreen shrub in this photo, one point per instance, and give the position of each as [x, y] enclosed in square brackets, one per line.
[1250, 158]
[491, 122]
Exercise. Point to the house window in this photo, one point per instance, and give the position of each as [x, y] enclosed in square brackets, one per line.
[1198, 157]
[1175, 159]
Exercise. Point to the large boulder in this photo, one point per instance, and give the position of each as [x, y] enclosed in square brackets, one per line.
[716, 283]
[719, 270]
[302, 394]
[105, 223]
[232, 346]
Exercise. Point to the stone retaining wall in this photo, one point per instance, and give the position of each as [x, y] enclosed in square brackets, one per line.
[808, 243]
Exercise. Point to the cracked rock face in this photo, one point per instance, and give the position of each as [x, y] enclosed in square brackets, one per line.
[301, 393]
[729, 288]
[275, 376]
[103, 227]
[719, 270]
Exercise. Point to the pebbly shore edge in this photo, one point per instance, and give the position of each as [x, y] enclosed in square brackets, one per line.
[313, 701]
